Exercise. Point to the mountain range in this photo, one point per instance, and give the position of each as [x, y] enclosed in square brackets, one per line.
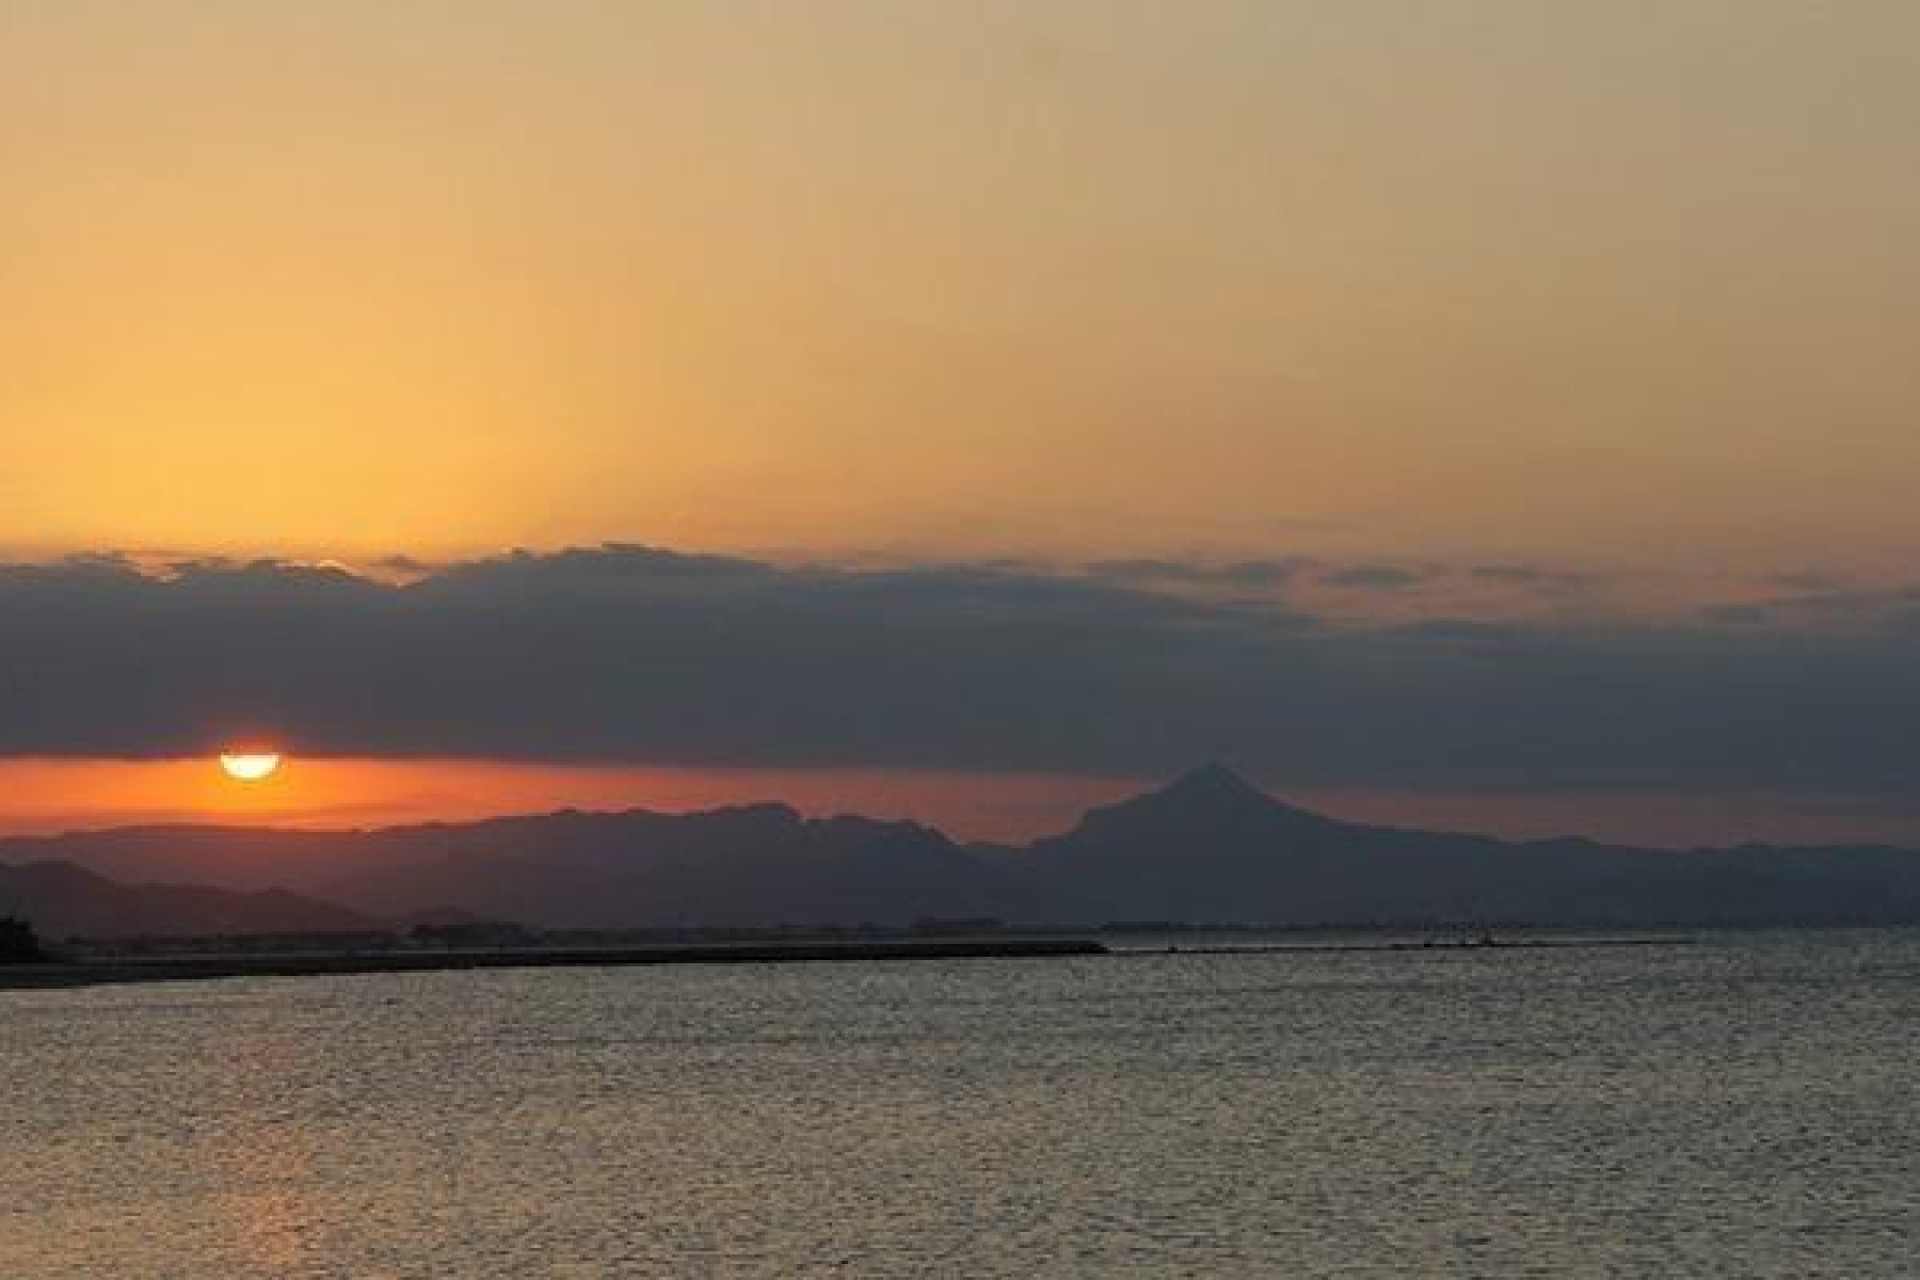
[1208, 847]
[64, 900]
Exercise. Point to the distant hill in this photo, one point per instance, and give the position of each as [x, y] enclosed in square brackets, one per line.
[64, 901]
[739, 866]
[1212, 847]
[1209, 847]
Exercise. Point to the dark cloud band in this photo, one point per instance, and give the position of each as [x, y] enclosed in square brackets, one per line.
[635, 654]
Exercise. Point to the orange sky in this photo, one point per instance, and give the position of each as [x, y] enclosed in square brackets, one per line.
[1552, 278]
[42, 796]
[1615, 287]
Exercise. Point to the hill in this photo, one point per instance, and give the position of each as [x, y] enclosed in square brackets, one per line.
[63, 901]
[1208, 847]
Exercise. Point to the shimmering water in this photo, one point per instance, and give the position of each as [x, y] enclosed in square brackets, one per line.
[1746, 1107]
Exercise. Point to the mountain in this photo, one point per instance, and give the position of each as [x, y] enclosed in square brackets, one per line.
[1209, 847]
[64, 901]
[756, 864]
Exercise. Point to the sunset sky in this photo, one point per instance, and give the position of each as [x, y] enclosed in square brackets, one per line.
[1503, 413]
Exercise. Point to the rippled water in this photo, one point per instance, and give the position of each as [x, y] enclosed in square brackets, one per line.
[1745, 1107]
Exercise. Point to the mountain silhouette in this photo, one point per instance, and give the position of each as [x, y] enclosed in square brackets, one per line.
[1211, 846]
[1212, 797]
[1208, 847]
[63, 900]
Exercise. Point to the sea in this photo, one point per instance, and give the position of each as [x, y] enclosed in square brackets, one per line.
[1740, 1104]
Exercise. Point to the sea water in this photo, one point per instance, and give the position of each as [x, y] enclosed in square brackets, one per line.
[1745, 1106]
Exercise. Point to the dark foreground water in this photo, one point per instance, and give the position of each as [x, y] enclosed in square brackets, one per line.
[1747, 1107]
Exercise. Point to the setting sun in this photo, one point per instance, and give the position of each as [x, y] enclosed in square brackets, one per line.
[249, 766]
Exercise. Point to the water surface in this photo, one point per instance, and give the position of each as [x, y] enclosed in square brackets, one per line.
[1744, 1107]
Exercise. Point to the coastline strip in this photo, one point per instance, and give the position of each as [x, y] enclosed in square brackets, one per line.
[196, 967]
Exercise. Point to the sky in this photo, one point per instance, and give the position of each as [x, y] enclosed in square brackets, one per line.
[1499, 412]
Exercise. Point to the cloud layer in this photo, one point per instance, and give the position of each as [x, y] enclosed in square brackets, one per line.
[634, 654]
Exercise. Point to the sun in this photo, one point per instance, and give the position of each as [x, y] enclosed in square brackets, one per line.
[250, 766]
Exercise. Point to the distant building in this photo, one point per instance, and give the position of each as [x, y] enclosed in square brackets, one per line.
[18, 942]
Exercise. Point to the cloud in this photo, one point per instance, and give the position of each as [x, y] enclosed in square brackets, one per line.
[1233, 573]
[1547, 579]
[1374, 577]
[628, 653]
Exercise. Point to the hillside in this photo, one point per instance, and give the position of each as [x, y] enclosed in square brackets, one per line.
[1208, 847]
[63, 900]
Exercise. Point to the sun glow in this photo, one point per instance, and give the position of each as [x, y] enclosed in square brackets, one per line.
[250, 766]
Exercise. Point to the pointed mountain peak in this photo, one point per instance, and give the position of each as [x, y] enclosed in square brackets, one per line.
[1214, 788]
[1197, 805]
[1213, 780]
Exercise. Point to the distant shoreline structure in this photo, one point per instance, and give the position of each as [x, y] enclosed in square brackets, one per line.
[192, 967]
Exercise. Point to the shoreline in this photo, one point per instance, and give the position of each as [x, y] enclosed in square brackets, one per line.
[184, 967]
[57, 975]
[1471, 944]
